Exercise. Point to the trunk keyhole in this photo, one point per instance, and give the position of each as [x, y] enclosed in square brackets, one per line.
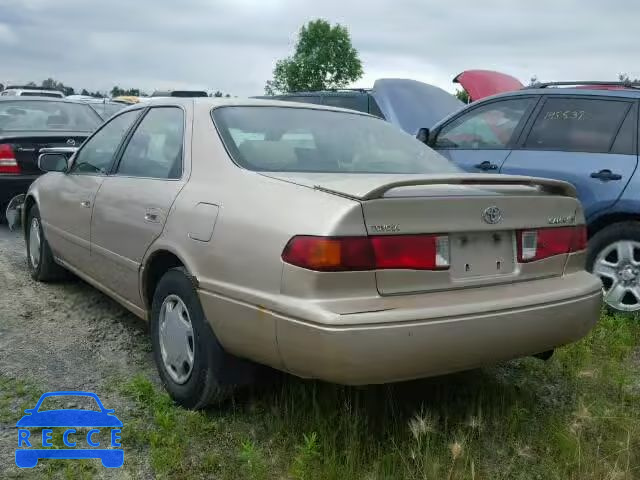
[467, 268]
[498, 265]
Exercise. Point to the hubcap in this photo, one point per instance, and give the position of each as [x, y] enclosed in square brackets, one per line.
[34, 243]
[618, 266]
[176, 339]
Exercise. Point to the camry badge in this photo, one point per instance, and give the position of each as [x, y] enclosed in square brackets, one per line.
[71, 142]
[492, 215]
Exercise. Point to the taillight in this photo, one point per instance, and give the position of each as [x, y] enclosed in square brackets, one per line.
[416, 252]
[546, 242]
[8, 163]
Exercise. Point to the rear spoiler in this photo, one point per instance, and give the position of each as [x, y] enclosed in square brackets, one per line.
[552, 187]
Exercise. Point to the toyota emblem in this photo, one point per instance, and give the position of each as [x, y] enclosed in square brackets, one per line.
[492, 215]
[71, 142]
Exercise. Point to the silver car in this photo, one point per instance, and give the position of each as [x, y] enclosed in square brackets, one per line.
[321, 242]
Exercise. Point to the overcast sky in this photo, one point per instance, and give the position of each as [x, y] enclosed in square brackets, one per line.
[232, 45]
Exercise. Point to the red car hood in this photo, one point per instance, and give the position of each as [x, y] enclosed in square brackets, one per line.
[484, 83]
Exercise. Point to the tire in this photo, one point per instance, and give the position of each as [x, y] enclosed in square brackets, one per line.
[614, 256]
[42, 266]
[205, 383]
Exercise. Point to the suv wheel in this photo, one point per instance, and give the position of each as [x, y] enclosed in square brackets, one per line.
[614, 256]
[188, 356]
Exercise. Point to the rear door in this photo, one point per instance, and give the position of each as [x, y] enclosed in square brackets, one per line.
[481, 137]
[134, 201]
[588, 141]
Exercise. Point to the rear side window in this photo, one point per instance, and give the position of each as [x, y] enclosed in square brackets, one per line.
[374, 109]
[302, 99]
[577, 124]
[489, 126]
[625, 142]
[351, 102]
[155, 148]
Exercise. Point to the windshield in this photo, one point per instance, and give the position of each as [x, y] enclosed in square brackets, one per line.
[47, 115]
[284, 139]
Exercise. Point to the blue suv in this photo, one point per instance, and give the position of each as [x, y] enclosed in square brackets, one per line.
[586, 134]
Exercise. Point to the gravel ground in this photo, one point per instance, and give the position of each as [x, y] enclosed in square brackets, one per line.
[64, 336]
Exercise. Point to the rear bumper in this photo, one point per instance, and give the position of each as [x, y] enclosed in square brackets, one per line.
[12, 185]
[431, 344]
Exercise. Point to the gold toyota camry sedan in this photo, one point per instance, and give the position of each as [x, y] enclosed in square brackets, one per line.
[318, 241]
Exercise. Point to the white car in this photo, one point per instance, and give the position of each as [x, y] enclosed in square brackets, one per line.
[26, 91]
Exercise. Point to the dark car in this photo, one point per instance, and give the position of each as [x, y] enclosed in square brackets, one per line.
[399, 101]
[408, 104]
[585, 133]
[28, 124]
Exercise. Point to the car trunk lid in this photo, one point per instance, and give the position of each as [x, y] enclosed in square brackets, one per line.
[27, 147]
[484, 83]
[480, 217]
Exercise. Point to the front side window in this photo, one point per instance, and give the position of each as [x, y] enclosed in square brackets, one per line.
[308, 140]
[577, 124]
[97, 153]
[489, 126]
[155, 148]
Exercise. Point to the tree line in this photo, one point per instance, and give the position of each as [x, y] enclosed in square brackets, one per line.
[116, 91]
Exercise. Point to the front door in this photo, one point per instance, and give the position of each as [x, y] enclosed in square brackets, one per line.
[589, 142]
[133, 203]
[480, 139]
[67, 204]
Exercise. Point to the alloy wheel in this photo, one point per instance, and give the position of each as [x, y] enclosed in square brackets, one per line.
[618, 266]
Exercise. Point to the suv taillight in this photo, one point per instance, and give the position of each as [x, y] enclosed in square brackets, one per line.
[8, 163]
[335, 254]
[546, 242]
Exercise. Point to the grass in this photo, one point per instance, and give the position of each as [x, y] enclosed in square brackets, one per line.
[576, 416]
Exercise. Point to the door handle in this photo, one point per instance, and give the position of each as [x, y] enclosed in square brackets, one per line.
[85, 203]
[486, 165]
[151, 217]
[606, 175]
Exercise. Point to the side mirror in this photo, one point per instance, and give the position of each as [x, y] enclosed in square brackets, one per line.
[423, 135]
[53, 162]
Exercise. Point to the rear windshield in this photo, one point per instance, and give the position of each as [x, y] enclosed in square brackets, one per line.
[46, 115]
[282, 139]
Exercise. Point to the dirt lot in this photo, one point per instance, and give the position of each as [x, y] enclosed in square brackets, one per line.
[576, 416]
[65, 336]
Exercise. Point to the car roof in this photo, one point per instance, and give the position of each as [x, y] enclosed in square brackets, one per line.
[581, 91]
[237, 102]
[34, 98]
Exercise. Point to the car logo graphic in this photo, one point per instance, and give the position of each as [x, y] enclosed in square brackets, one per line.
[492, 215]
[71, 142]
[28, 456]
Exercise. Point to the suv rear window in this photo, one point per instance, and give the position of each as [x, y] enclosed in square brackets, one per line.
[284, 139]
[577, 124]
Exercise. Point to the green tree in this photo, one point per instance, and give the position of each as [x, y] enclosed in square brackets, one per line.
[324, 58]
[463, 96]
[218, 94]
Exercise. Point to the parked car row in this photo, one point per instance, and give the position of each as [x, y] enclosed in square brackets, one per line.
[319, 241]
